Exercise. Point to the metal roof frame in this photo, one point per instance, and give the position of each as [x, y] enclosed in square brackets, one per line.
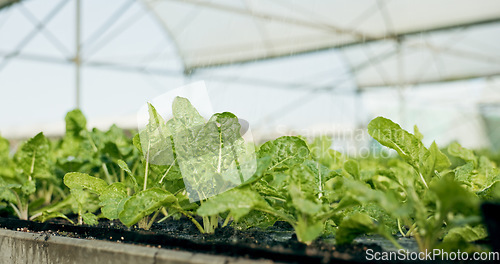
[78, 61]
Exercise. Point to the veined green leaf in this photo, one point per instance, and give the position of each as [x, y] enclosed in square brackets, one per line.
[185, 113]
[462, 237]
[123, 165]
[457, 150]
[491, 192]
[439, 159]
[75, 123]
[417, 133]
[6, 163]
[436, 161]
[238, 201]
[76, 180]
[143, 204]
[356, 192]
[285, 152]
[229, 126]
[391, 135]
[5, 192]
[305, 206]
[28, 187]
[256, 219]
[352, 167]
[136, 141]
[51, 215]
[453, 198]
[304, 183]
[85, 201]
[464, 173]
[409, 147]
[353, 226]
[156, 141]
[90, 219]
[32, 158]
[262, 166]
[308, 231]
[488, 171]
[320, 149]
[113, 199]
[466, 233]
[212, 156]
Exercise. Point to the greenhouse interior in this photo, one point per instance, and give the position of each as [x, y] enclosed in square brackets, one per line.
[249, 131]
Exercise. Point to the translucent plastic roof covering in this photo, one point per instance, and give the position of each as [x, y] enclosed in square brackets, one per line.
[429, 57]
[128, 57]
[216, 32]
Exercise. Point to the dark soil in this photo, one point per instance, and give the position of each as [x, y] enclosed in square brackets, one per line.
[277, 243]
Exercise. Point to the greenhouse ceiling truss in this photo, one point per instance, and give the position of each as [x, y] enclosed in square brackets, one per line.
[355, 39]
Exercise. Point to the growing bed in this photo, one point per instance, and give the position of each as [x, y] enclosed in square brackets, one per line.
[189, 184]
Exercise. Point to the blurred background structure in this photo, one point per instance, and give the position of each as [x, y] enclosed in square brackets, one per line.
[288, 67]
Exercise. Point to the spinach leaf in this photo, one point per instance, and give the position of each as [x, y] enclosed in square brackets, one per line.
[143, 204]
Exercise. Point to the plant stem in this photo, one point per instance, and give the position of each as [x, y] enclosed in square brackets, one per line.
[143, 223]
[165, 213]
[412, 228]
[277, 214]
[134, 168]
[152, 220]
[146, 170]
[106, 173]
[35, 216]
[228, 218]
[24, 212]
[422, 178]
[196, 223]
[276, 198]
[80, 218]
[32, 169]
[48, 194]
[214, 222]
[20, 209]
[210, 223]
[206, 227]
[164, 175]
[15, 209]
[400, 229]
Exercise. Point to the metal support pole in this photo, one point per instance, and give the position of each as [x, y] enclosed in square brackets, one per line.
[401, 85]
[77, 59]
[359, 125]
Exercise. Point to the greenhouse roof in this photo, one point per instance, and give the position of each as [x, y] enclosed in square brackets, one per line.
[385, 34]
[129, 51]
[383, 42]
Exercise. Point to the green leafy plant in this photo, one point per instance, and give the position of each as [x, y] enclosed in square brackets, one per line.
[211, 155]
[203, 170]
[288, 187]
[30, 164]
[115, 203]
[432, 200]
